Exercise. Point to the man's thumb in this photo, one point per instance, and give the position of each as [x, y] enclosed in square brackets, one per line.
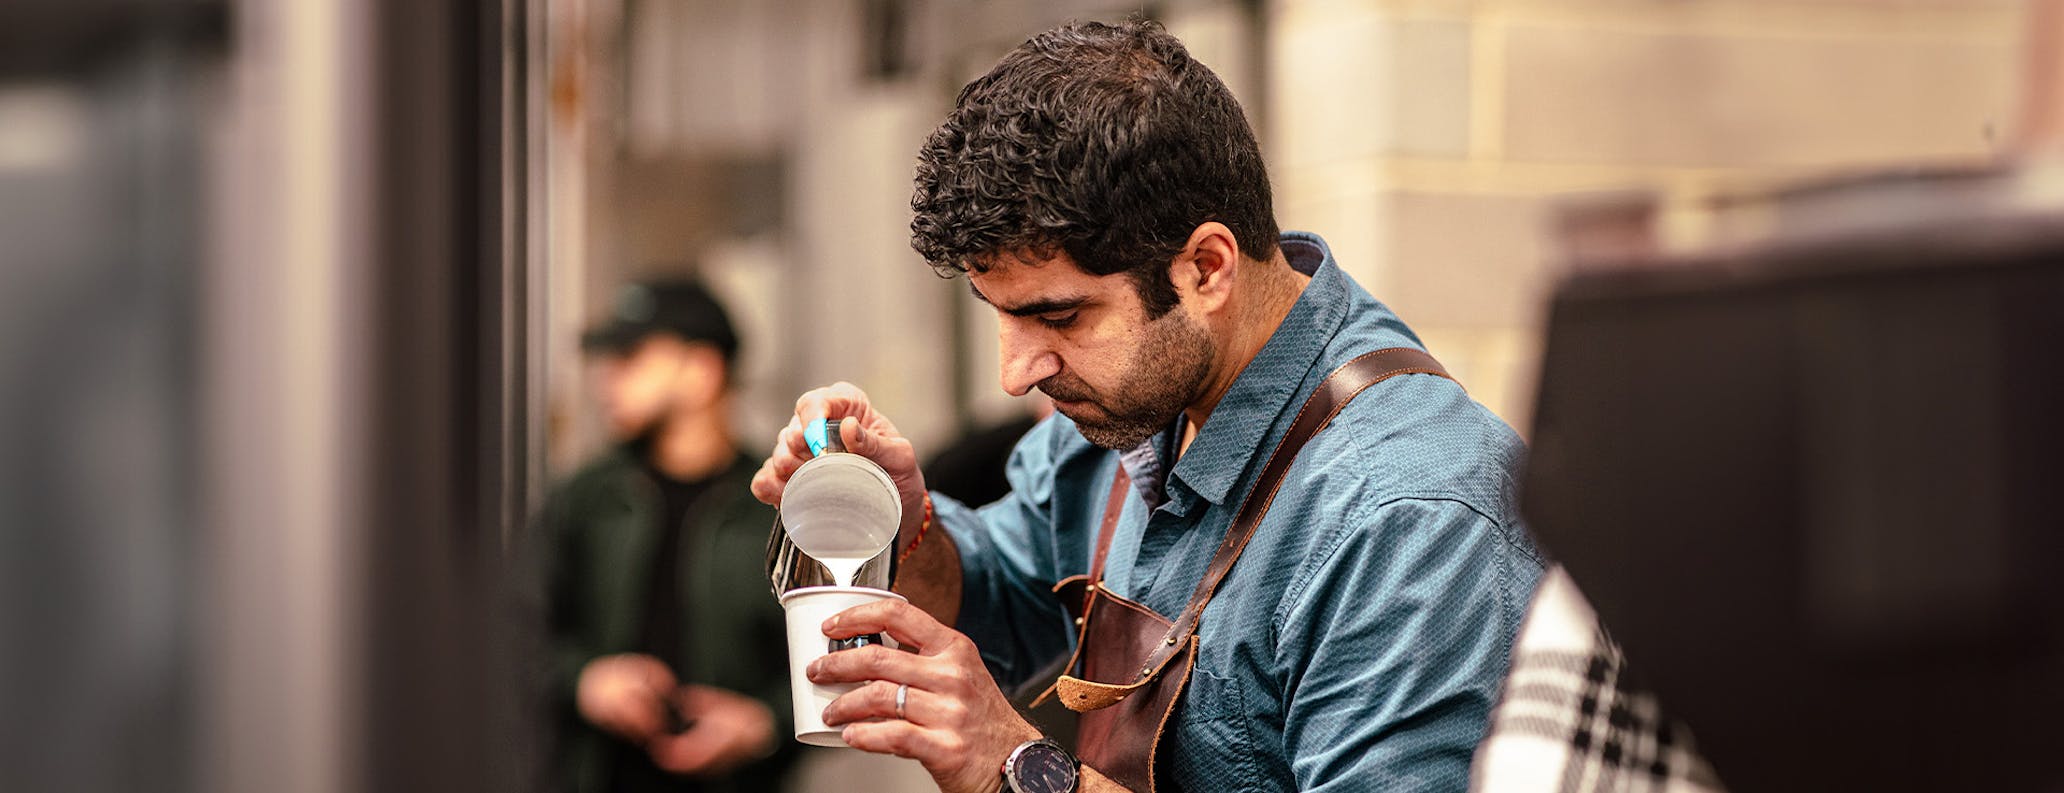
[857, 440]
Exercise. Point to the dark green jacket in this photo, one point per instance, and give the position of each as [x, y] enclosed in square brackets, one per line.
[602, 528]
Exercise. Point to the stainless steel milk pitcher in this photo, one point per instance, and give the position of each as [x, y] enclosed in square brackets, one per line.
[788, 568]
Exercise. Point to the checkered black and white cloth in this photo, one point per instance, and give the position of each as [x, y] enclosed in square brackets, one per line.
[1567, 720]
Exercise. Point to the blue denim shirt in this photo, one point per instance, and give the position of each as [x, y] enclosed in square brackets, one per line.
[1360, 641]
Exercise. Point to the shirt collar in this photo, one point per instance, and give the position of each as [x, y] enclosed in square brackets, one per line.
[1232, 437]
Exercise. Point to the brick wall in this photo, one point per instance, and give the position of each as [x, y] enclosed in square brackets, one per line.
[1429, 141]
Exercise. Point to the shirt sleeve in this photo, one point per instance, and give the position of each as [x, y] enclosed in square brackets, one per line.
[1008, 565]
[1396, 645]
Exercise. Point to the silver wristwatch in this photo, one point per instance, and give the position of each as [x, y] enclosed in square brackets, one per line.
[1041, 766]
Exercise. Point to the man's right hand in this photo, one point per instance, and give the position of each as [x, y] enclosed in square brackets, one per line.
[624, 695]
[864, 431]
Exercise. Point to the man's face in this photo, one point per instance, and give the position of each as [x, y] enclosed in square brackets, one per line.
[639, 386]
[1085, 341]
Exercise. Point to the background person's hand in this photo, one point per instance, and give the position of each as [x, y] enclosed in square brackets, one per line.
[865, 432]
[624, 695]
[726, 729]
[955, 720]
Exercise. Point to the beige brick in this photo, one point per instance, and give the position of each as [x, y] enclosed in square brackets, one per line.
[1468, 270]
[1430, 60]
[1600, 95]
[1465, 260]
[1357, 82]
[1356, 226]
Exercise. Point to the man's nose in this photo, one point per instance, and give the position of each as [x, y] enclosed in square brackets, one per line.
[1025, 361]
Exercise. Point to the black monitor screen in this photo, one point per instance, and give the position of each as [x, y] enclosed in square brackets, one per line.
[1817, 494]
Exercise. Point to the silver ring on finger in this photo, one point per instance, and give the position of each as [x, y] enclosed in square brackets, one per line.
[902, 698]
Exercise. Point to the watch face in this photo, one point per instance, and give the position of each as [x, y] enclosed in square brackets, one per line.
[1043, 768]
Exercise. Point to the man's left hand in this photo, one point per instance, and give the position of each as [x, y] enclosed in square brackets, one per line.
[955, 720]
[727, 730]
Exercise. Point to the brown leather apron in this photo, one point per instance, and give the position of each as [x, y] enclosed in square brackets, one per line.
[1134, 663]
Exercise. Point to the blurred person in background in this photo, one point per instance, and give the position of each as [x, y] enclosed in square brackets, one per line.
[971, 468]
[668, 656]
[1103, 192]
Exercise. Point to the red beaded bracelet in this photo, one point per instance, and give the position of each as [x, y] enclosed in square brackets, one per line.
[921, 529]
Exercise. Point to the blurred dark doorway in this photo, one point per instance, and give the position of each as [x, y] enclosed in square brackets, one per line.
[265, 360]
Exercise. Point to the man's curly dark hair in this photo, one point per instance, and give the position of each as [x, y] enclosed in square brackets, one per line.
[1107, 142]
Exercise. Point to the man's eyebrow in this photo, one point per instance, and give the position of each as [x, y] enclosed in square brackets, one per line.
[1045, 305]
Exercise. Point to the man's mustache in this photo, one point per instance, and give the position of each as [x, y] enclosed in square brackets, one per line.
[1064, 390]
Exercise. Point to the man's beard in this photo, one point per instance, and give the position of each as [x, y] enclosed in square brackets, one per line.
[1165, 375]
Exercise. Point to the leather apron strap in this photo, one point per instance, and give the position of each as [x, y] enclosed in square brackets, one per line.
[1078, 593]
[1332, 395]
[1124, 648]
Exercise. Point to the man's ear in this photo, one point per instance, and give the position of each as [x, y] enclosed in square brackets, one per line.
[1208, 267]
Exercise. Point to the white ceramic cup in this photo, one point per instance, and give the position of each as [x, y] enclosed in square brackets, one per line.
[807, 610]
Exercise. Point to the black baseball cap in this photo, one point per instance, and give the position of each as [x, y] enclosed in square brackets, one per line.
[682, 307]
